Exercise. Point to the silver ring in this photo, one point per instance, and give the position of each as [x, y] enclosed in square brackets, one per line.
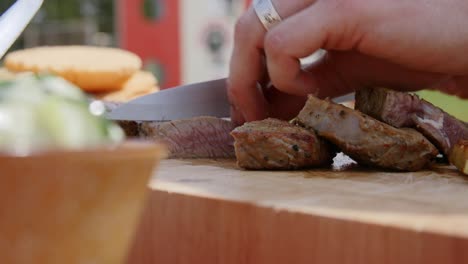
[267, 13]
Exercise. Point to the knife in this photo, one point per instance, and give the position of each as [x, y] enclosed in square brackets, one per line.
[15, 20]
[186, 101]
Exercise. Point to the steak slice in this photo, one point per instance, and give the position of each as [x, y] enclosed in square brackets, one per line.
[195, 138]
[402, 109]
[274, 144]
[366, 139]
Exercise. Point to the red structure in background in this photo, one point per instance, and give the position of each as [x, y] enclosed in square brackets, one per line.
[157, 40]
[153, 40]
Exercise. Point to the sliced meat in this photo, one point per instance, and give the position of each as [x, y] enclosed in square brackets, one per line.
[131, 128]
[275, 144]
[195, 138]
[366, 139]
[201, 137]
[401, 109]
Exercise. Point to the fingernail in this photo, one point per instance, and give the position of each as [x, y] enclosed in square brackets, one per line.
[236, 117]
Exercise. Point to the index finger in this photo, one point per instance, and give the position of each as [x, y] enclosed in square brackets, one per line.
[247, 62]
[246, 69]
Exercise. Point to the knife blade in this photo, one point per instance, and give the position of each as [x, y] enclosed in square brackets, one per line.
[186, 101]
[198, 99]
[15, 20]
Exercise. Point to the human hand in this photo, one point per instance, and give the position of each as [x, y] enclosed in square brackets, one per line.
[405, 45]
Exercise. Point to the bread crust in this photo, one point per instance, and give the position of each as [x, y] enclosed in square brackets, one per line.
[93, 69]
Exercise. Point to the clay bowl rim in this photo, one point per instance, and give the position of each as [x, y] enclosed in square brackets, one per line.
[127, 149]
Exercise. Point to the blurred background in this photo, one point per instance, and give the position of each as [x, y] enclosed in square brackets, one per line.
[180, 41]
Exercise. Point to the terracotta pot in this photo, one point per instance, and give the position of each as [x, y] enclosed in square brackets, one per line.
[74, 206]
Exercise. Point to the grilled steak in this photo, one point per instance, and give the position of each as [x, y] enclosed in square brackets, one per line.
[275, 144]
[366, 139]
[401, 109]
[200, 137]
[195, 138]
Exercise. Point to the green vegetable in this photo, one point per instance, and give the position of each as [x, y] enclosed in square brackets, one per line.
[44, 112]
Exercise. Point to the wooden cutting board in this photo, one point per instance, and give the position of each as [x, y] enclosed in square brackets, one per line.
[205, 211]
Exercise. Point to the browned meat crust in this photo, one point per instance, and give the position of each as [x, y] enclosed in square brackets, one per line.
[131, 128]
[401, 109]
[365, 139]
[275, 144]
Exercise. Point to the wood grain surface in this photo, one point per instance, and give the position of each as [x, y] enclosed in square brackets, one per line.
[205, 211]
